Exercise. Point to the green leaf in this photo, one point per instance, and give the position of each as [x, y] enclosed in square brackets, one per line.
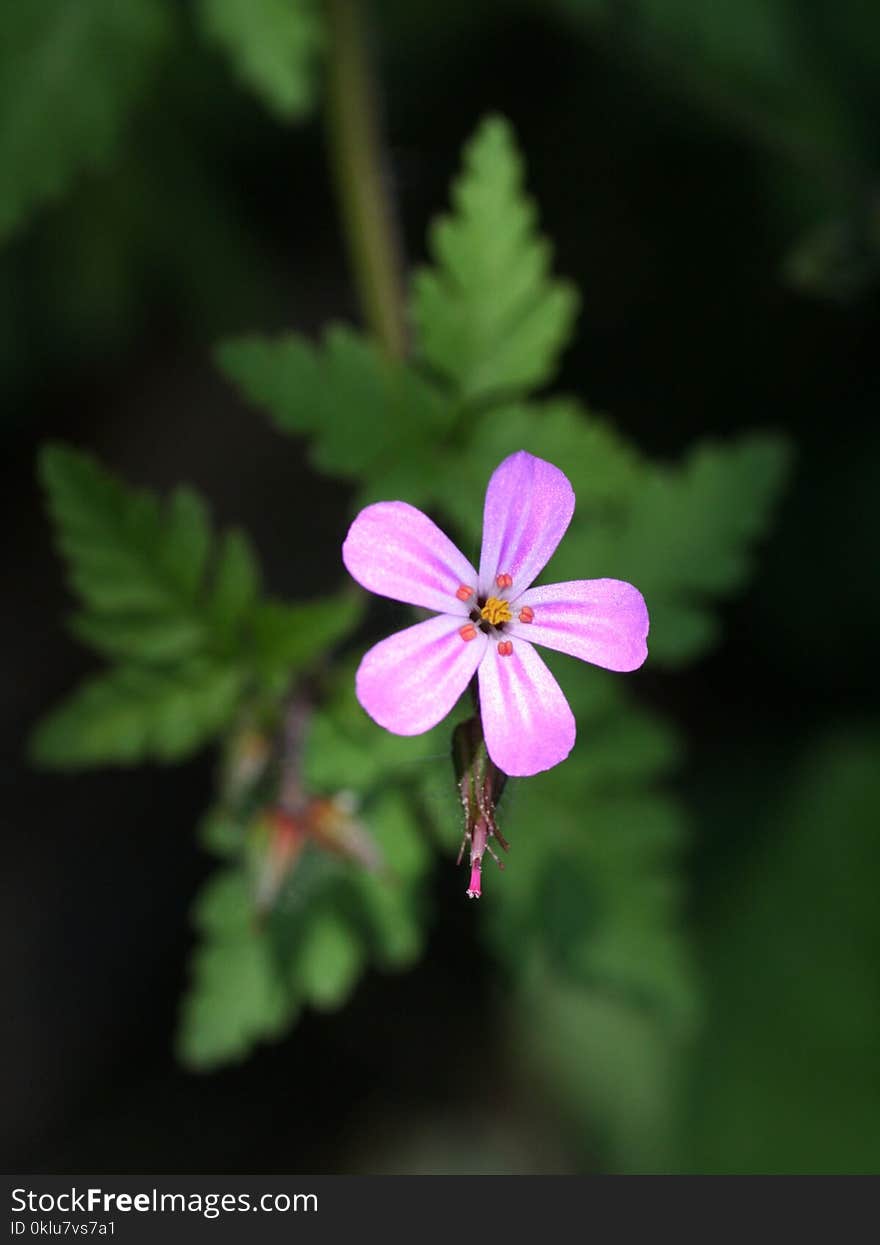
[332, 919]
[787, 1077]
[273, 47]
[122, 552]
[139, 569]
[345, 750]
[365, 416]
[143, 574]
[610, 1069]
[135, 713]
[328, 960]
[490, 319]
[236, 584]
[603, 468]
[236, 996]
[151, 638]
[70, 73]
[221, 833]
[186, 623]
[153, 590]
[687, 538]
[394, 827]
[684, 535]
[391, 898]
[591, 883]
[288, 638]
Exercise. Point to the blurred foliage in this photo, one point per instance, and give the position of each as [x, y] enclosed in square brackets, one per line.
[489, 318]
[786, 1077]
[272, 45]
[599, 899]
[751, 61]
[612, 1070]
[178, 611]
[600, 902]
[366, 418]
[787, 76]
[70, 74]
[252, 971]
[586, 921]
[331, 915]
[682, 533]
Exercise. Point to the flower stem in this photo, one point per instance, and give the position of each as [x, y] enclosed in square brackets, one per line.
[359, 169]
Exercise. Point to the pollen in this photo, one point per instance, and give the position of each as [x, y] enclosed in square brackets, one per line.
[504, 581]
[496, 612]
[464, 593]
[505, 648]
[527, 614]
[468, 632]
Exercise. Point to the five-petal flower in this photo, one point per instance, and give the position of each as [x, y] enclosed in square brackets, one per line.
[486, 623]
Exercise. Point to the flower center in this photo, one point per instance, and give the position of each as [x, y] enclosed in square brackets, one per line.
[496, 612]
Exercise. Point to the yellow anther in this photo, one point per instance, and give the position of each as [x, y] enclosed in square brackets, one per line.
[496, 611]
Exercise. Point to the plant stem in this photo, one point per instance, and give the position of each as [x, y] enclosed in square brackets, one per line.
[358, 165]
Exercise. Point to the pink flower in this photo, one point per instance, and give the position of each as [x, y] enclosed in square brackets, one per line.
[487, 623]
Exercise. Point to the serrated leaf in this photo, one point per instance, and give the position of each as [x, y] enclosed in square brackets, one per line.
[183, 553]
[490, 318]
[134, 714]
[190, 636]
[158, 638]
[366, 417]
[604, 469]
[236, 584]
[686, 538]
[143, 571]
[70, 73]
[684, 535]
[110, 536]
[273, 47]
[129, 562]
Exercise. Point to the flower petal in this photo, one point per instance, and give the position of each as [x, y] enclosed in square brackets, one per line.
[604, 621]
[409, 682]
[529, 504]
[527, 723]
[396, 551]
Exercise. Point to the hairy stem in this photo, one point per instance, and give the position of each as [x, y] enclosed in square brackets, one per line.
[358, 166]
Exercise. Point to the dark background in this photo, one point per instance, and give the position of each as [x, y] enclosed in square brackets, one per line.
[667, 216]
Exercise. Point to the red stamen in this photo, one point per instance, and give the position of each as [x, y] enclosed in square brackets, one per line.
[464, 593]
[468, 632]
[505, 648]
[504, 581]
[527, 614]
